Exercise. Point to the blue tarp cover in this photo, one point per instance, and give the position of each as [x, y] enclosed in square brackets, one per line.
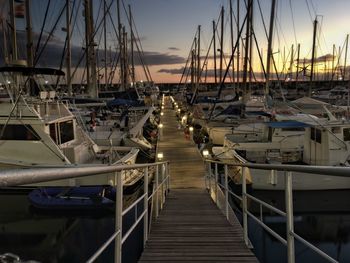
[122, 102]
[287, 124]
[261, 113]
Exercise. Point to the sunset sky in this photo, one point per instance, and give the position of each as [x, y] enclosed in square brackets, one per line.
[166, 29]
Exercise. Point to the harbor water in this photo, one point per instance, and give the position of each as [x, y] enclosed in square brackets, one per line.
[62, 236]
[320, 217]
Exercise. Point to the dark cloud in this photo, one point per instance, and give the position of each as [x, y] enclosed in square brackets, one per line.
[173, 48]
[321, 59]
[50, 55]
[156, 58]
[172, 71]
[138, 39]
[53, 52]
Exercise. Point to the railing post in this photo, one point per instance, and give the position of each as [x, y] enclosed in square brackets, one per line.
[118, 218]
[216, 182]
[145, 207]
[226, 191]
[168, 176]
[209, 173]
[290, 217]
[162, 186]
[244, 206]
[206, 174]
[156, 193]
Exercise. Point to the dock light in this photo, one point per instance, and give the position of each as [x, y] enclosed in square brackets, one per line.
[178, 110]
[184, 118]
[160, 156]
[162, 113]
[160, 126]
[205, 153]
[191, 129]
[46, 81]
[162, 107]
[8, 82]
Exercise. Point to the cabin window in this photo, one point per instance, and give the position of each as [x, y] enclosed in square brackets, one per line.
[53, 133]
[66, 131]
[316, 135]
[293, 129]
[335, 129]
[346, 134]
[17, 132]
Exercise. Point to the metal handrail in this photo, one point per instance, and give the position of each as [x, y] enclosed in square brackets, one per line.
[15, 177]
[311, 169]
[291, 235]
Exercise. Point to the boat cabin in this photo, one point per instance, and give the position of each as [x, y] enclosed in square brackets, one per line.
[38, 129]
[327, 144]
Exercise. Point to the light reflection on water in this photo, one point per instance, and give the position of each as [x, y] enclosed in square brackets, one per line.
[57, 236]
[321, 217]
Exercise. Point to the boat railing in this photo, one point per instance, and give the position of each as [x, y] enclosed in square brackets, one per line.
[217, 189]
[156, 197]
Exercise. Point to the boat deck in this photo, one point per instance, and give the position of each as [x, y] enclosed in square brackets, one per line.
[190, 227]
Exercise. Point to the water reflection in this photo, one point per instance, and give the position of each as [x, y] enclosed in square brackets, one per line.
[58, 236]
[321, 217]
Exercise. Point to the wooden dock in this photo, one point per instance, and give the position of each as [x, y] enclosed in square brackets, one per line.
[190, 228]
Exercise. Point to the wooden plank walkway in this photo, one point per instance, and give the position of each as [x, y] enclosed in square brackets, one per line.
[190, 228]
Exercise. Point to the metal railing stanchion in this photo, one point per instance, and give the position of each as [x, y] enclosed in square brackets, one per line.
[244, 206]
[226, 192]
[209, 178]
[145, 207]
[162, 197]
[156, 192]
[118, 217]
[168, 176]
[289, 211]
[216, 183]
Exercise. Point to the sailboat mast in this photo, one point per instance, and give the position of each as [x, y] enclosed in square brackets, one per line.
[238, 53]
[221, 43]
[125, 56]
[94, 89]
[298, 63]
[68, 54]
[246, 49]
[193, 55]
[232, 43]
[29, 35]
[346, 54]
[198, 57]
[87, 43]
[13, 30]
[214, 47]
[333, 62]
[251, 46]
[132, 47]
[291, 62]
[90, 51]
[105, 42]
[120, 36]
[269, 47]
[313, 55]
[6, 59]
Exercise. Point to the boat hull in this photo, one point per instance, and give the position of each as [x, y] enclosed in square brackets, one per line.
[275, 180]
